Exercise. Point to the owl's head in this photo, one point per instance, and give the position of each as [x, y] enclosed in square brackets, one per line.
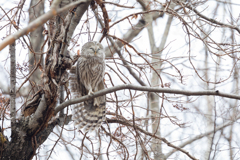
[93, 49]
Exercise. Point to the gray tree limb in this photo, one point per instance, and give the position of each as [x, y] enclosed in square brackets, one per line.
[13, 87]
[146, 89]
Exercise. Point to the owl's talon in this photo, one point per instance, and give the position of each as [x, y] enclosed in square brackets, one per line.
[90, 93]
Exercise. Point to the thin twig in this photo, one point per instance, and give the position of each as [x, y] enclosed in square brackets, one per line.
[119, 5]
[152, 135]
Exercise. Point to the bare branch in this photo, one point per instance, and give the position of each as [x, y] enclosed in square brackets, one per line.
[147, 89]
[152, 135]
[213, 20]
[12, 86]
[131, 33]
[35, 120]
[119, 5]
[199, 137]
[36, 23]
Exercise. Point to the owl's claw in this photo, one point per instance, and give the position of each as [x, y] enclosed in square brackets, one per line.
[90, 92]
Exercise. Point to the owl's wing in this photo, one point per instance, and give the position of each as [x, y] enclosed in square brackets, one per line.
[74, 86]
[77, 91]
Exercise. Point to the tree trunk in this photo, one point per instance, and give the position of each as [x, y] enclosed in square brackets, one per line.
[36, 38]
[23, 146]
[154, 98]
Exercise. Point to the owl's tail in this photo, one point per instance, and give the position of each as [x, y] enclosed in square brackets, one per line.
[87, 116]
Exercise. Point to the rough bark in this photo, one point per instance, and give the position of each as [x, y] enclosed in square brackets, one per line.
[23, 146]
[12, 87]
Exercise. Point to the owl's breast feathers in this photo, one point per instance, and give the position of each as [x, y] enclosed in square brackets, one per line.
[91, 71]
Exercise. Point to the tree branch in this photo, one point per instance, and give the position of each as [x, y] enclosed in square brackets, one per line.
[146, 89]
[12, 86]
[36, 120]
[119, 5]
[199, 137]
[131, 33]
[36, 23]
[152, 135]
[213, 20]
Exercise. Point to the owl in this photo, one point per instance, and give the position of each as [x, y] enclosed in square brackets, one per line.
[85, 79]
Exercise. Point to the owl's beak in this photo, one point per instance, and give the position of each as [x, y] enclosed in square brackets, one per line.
[95, 53]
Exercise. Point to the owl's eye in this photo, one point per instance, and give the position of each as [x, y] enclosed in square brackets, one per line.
[92, 49]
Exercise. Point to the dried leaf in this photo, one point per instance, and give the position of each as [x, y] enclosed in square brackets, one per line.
[134, 16]
[13, 21]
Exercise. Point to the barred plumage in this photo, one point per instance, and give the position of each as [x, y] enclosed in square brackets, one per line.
[85, 78]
